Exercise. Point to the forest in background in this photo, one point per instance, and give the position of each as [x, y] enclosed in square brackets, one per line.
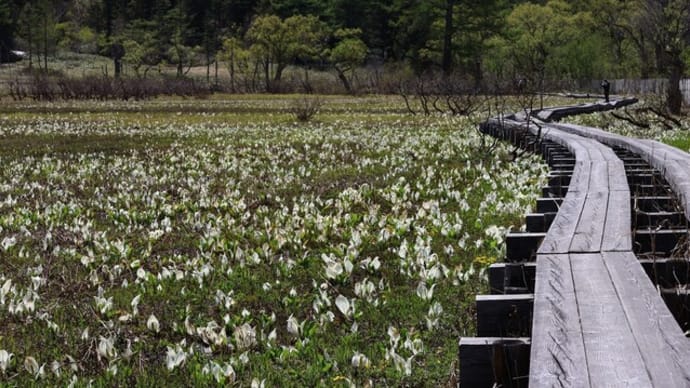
[255, 41]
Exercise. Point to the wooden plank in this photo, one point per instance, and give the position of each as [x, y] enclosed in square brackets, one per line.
[664, 348]
[574, 143]
[594, 148]
[672, 152]
[673, 163]
[609, 154]
[558, 355]
[590, 227]
[557, 113]
[617, 178]
[617, 230]
[597, 151]
[599, 177]
[579, 182]
[677, 172]
[560, 234]
[544, 114]
[613, 358]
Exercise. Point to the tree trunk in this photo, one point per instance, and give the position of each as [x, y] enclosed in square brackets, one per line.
[675, 97]
[343, 79]
[477, 72]
[31, 46]
[118, 67]
[662, 66]
[215, 76]
[447, 64]
[232, 71]
[267, 71]
[639, 42]
[278, 76]
[307, 85]
[208, 66]
[117, 51]
[45, 40]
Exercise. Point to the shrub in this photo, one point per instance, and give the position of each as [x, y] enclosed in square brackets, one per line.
[46, 88]
[306, 107]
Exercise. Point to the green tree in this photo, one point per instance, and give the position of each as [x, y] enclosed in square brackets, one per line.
[536, 34]
[70, 36]
[477, 23]
[375, 18]
[28, 31]
[45, 16]
[627, 51]
[348, 53]
[270, 46]
[7, 30]
[141, 46]
[412, 29]
[450, 34]
[309, 41]
[179, 52]
[286, 8]
[447, 61]
[668, 24]
[276, 43]
[236, 58]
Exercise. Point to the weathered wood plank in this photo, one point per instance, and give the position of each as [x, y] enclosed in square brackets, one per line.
[617, 230]
[579, 182]
[558, 356]
[617, 178]
[671, 162]
[597, 151]
[560, 234]
[613, 357]
[599, 177]
[664, 348]
[589, 232]
[557, 113]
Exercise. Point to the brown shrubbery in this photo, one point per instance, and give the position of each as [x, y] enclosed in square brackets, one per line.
[306, 107]
[47, 88]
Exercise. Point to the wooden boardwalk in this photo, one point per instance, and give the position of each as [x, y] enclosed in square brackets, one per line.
[597, 320]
